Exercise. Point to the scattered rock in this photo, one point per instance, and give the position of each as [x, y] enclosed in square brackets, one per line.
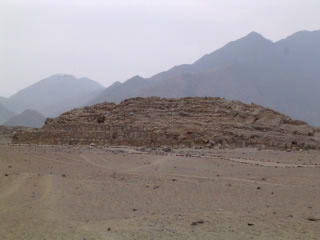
[250, 224]
[101, 119]
[197, 223]
[313, 219]
[167, 149]
[6, 174]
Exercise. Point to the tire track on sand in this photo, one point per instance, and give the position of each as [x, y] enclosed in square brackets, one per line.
[14, 186]
[92, 163]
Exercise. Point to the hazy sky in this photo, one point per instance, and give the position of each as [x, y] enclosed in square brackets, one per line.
[113, 40]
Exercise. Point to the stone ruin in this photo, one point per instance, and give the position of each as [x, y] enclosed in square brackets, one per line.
[187, 122]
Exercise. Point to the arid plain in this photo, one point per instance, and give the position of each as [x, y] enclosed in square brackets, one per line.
[91, 193]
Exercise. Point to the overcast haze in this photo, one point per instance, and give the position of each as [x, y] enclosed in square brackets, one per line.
[114, 40]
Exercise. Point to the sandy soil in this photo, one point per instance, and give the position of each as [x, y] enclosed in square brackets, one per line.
[85, 193]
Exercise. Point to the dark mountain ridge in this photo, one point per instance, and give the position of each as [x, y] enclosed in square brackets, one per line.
[51, 90]
[28, 118]
[54, 95]
[5, 114]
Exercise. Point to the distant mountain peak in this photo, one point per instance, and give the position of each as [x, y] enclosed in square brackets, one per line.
[255, 37]
[303, 35]
[137, 77]
[51, 91]
[28, 118]
[135, 80]
[63, 75]
[255, 34]
[305, 32]
[117, 83]
[31, 111]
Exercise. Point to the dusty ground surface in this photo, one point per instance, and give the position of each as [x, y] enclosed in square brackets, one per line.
[86, 193]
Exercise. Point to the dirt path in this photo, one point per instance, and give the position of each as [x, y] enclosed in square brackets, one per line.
[91, 162]
[12, 185]
[272, 164]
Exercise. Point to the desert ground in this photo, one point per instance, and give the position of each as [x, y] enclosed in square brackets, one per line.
[102, 193]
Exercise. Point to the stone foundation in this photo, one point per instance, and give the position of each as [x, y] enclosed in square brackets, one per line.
[187, 122]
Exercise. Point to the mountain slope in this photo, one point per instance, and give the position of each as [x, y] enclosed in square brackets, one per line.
[68, 104]
[28, 118]
[50, 91]
[283, 75]
[5, 114]
[119, 91]
[3, 100]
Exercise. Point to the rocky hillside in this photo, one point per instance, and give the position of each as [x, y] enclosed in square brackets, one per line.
[189, 122]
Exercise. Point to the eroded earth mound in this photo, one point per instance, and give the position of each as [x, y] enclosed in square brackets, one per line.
[186, 122]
